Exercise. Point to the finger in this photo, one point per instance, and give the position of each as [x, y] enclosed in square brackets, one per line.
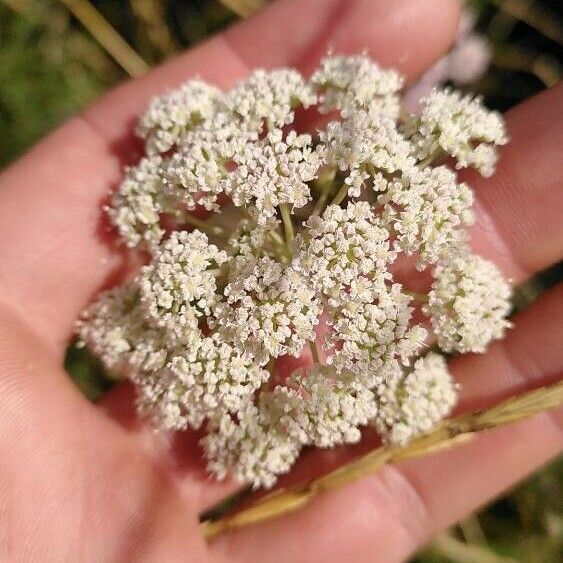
[65, 469]
[178, 452]
[519, 209]
[55, 241]
[393, 512]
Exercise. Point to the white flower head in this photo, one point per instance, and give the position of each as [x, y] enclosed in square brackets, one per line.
[468, 304]
[321, 409]
[342, 245]
[170, 116]
[370, 147]
[250, 446]
[203, 380]
[195, 174]
[427, 210]
[250, 241]
[137, 204]
[270, 98]
[372, 337]
[273, 171]
[459, 126]
[356, 82]
[115, 329]
[302, 235]
[178, 288]
[412, 404]
[270, 309]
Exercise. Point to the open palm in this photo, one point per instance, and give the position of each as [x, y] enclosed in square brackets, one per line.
[83, 482]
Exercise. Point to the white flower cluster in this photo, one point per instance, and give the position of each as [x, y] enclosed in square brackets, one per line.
[341, 246]
[468, 304]
[179, 286]
[270, 309]
[356, 82]
[195, 174]
[197, 382]
[250, 446]
[117, 332]
[316, 408]
[412, 404]
[369, 146]
[169, 117]
[273, 171]
[374, 335]
[270, 98]
[138, 204]
[460, 127]
[259, 235]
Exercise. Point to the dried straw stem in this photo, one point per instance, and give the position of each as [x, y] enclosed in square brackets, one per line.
[538, 17]
[455, 550]
[107, 36]
[244, 8]
[449, 433]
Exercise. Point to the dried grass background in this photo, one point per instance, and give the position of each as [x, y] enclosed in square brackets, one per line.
[57, 55]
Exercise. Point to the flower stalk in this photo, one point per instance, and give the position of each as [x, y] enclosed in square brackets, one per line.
[340, 195]
[203, 225]
[287, 225]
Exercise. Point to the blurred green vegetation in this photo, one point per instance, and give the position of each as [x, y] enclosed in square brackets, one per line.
[524, 526]
[54, 60]
[48, 70]
[51, 67]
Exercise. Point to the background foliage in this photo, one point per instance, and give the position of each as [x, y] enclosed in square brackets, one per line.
[57, 55]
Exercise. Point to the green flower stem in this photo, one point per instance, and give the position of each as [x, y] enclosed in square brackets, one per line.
[319, 206]
[432, 158]
[287, 225]
[340, 195]
[204, 226]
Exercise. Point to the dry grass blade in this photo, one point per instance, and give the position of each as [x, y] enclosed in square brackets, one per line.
[107, 37]
[445, 435]
[545, 67]
[151, 16]
[244, 8]
[538, 17]
[460, 552]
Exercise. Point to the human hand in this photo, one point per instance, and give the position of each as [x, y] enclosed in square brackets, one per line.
[87, 482]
